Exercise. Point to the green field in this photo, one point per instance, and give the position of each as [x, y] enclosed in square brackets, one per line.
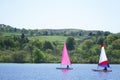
[54, 38]
[47, 38]
[10, 34]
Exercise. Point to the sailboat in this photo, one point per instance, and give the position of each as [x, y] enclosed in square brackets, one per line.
[65, 58]
[103, 61]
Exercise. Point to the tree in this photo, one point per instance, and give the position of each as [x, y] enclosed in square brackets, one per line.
[15, 30]
[23, 40]
[90, 34]
[99, 33]
[37, 44]
[29, 47]
[19, 57]
[47, 45]
[116, 44]
[87, 44]
[38, 55]
[70, 43]
[100, 40]
[22, 36]
[2, 42]
[9, 43]
[106, 33]
[110, 38]
[31, 33]
[45, 33]
[24, 31]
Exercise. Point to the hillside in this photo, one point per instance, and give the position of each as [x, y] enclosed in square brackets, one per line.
[50, 32]
[41, 46]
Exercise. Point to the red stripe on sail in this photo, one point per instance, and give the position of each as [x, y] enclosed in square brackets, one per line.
[103, 63]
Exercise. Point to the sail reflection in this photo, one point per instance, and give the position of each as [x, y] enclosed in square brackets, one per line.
[65, 75]
[65, 70]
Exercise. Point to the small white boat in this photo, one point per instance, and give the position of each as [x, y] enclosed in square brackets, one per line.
[103, 61]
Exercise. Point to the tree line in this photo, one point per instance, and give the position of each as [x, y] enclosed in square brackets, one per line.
[20, 49]
[51, 32]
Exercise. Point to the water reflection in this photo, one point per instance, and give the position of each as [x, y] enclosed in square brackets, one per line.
[65, 71]
[103, 75]
[65, 75]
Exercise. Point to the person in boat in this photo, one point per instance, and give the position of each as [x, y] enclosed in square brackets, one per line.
[67, 66]
[105, 69]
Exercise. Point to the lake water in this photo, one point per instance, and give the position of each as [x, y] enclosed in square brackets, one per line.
[49, 72]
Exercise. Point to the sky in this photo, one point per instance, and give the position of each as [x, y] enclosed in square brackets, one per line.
[61, 14]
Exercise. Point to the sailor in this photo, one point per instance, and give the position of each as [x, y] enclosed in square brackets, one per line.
[67, 66]
[105, 69]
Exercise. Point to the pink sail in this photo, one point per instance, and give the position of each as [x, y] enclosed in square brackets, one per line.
[65, 58]
[103, 61]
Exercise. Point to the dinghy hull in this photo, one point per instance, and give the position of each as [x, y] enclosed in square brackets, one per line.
[65, 68]
[98, 70]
